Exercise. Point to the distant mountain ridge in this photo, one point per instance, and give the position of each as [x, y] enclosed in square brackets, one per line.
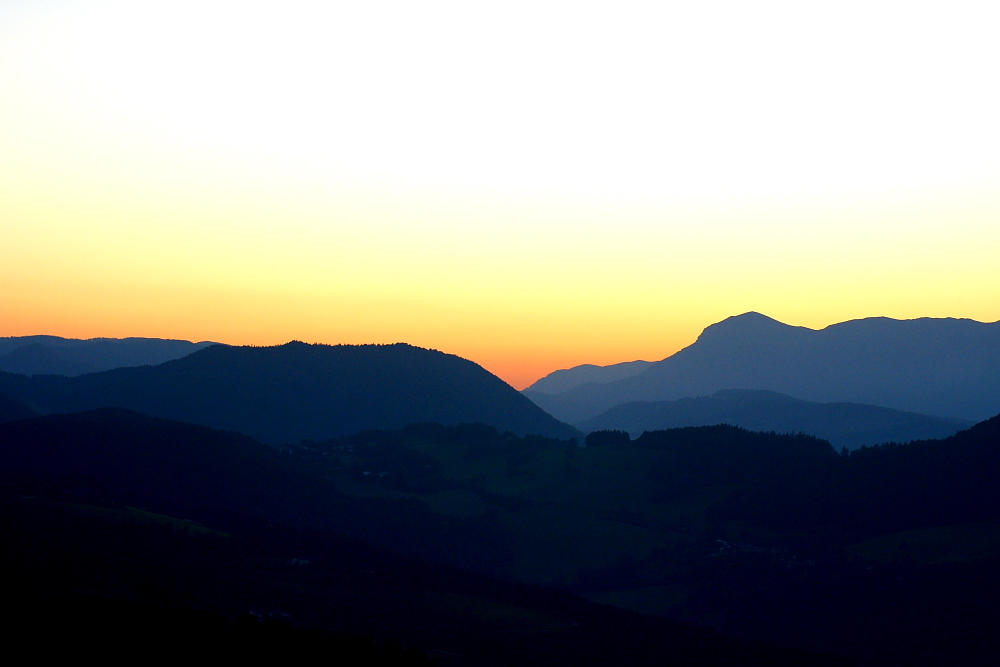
[559, 381]
[53, 355]
[850, 425]
[942, 367]
[298, 391]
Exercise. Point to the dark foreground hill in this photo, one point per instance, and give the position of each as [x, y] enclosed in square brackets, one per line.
[53, 355]
[173, 521]
[942, 367]
[850, 425]
[297, 391]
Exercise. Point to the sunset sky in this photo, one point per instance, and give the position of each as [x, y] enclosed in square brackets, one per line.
[531, 185]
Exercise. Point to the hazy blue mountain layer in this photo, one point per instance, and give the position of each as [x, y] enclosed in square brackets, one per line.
[296, 391]
[52, 355]
[850, 425]
[564, 380]
[943, 367]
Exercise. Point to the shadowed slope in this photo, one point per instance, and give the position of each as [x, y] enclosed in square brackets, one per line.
[850, 425]
[943, 367]
[11, 410]
[192, 471]
[297, 391]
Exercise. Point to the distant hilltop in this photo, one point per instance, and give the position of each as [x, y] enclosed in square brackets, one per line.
[559, 381]
[297, 391]
[52, 355]
[942, 367]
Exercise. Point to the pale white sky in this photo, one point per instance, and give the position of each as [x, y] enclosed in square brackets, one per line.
[532, 185]
[650, 100]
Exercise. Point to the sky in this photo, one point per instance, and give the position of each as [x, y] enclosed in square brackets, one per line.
[530, 185]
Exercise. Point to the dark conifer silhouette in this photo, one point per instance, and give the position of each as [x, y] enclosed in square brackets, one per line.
[607, 437]
[942, 367]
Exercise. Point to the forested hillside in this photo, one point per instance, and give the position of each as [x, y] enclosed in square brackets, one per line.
[295, 391]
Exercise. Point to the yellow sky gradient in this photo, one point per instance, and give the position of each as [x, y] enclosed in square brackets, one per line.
[529, 186]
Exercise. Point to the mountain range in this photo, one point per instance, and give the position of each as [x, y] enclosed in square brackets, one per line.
[297, 391]
[391, 507]
[52, 355]
[943, 367]
[850, 425]
[563, 380]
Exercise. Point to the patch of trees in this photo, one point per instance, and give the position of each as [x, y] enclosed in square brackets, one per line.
[882, 489]
[689, 459]
[607, 437]
[389, 457]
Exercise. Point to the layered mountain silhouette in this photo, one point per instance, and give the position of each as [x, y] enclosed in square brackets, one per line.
[943, 367]
[298, 391]
[52, 355]
[559, 381]
[850, 425]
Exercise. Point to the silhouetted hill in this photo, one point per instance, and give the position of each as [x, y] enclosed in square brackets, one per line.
[850, 425]
[943, 367]
[694, 458]
[52, 355]
[297, 391]
[11, 410]
[559, 381]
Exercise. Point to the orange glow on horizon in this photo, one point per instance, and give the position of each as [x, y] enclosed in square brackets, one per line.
[381, 172]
